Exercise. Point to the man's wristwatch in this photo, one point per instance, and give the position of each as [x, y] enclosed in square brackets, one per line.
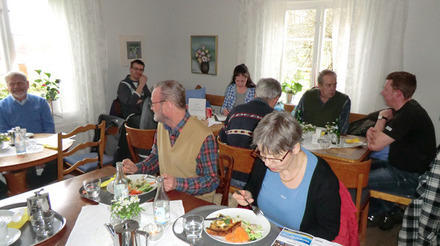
[382, 117]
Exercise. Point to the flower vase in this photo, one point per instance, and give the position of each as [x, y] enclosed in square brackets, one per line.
[50, 102]
[204, 67]
[289, 98]
[115, 219]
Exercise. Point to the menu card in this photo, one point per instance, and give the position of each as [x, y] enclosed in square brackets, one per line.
[289, 237]
[196, 107]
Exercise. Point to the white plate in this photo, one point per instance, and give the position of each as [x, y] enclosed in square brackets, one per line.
[13, 235]
[29, 135]
[244, 214]
[135, 177]
[4, 146]
[6, 216]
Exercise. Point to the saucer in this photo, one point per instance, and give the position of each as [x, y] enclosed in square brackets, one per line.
[13, 235]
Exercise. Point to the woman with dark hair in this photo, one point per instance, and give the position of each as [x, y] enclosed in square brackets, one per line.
[241, 89]
[294, 188]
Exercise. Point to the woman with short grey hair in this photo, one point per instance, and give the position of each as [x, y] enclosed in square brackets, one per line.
[294, 188]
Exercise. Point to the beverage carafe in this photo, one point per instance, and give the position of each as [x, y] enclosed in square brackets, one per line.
[161, 204]
[120, 185]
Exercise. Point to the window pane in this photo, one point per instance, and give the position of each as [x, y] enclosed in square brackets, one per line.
[326, 51]
[298, 47]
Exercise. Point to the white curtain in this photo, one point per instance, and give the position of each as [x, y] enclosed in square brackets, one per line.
[260, 44]
[82, 99]
[367, 45]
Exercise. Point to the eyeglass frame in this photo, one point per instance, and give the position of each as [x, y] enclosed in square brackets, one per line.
[256, 153]
[161, 101]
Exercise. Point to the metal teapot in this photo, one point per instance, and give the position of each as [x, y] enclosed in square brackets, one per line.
[127, 233]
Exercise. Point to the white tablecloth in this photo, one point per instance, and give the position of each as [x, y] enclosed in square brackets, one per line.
[89, 227]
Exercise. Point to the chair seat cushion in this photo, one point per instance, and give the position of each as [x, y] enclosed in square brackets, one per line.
[364, 197]
[88, 166]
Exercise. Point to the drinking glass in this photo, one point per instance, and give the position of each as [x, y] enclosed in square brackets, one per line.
[42, 223]
[92, 187]
[324, 142]
[193, 225]
[4, 238]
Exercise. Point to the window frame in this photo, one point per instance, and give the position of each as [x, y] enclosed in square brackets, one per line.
[6, 43]
[318, 40]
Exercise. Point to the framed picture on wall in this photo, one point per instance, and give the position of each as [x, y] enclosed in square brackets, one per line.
[204, 54]
[131, 49]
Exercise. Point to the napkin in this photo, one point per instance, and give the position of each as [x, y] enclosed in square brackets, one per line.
[89, 226]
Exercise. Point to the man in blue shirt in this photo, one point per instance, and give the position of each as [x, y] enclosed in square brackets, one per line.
[22, 109]
[31, 112]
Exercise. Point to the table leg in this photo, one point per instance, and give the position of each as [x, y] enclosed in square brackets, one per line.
[16, 181]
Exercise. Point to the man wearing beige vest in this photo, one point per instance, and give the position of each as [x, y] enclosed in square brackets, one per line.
[184, 149]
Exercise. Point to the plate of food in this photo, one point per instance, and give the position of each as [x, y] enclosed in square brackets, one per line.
[138, 184]
[236, 226]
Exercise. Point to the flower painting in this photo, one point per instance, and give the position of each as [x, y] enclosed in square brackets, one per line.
[204, 54]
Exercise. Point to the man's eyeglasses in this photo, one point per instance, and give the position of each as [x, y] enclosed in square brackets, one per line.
[161, 101]
[256, 153]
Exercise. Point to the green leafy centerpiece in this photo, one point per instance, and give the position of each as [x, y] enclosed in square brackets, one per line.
[125, 208]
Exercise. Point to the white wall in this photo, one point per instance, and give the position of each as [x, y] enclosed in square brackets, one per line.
[167, 26]
[422, 55]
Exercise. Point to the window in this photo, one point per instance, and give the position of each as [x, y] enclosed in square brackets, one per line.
[307, 43]
[33, 39]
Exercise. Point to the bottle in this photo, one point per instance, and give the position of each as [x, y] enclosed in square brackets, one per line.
[20, 140]
[120, 185]
[161, 204]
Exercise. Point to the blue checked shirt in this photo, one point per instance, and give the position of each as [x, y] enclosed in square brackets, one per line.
[207, 179]
[230, 96]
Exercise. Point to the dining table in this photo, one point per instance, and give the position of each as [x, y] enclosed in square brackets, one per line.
[13, 167]
[66, 200]
[347, 153]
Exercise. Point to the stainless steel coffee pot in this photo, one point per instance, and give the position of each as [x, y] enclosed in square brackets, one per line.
[127, 233]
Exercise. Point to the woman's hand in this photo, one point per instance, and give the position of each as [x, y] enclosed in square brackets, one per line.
[241, 198]
[128, 166]
[225, 112]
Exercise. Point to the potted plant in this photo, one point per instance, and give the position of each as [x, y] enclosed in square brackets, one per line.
[125, 208]
[48, 87]
[291, 88]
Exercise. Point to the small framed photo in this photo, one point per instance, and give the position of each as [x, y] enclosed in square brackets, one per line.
[204, 54]
[131, 49]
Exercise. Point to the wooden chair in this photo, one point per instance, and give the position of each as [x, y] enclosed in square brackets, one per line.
[402, 200]
[81, 163]
[289, 107]
[354, 117]
[243, 159]
[354, 175]
[225, 166]
[140, 139]
[214, 100]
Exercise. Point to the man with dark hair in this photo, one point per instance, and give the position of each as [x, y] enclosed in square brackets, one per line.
[409, 131]
[184, 150]
[243, 119]
[322, 105]
[133, 90]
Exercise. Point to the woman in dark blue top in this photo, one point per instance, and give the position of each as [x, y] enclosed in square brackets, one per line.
[292, 186]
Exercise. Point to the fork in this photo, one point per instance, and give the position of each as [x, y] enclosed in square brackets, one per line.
[255, 209]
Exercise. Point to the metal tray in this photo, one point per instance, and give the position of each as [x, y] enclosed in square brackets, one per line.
[207, 240]
[28, 236]
[106, 197]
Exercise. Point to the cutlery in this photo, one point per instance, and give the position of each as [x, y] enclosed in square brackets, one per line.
[216, 218]
[255, 209]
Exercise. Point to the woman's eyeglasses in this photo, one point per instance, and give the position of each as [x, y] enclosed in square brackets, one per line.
[256, 153]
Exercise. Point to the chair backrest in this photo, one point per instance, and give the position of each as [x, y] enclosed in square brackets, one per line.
[352, 175]
[215, 100]
[139, 138]
[225, 166]
[99, 143]
[354, 117]
[243, 159]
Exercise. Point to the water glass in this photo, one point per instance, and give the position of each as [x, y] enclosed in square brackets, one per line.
[193, 225]
[92, 187]
[324, 142]
[42, 223]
